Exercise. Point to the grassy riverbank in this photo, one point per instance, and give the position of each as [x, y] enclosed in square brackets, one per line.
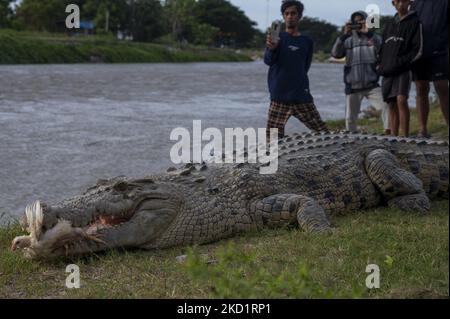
[436, 126]
[412, 252]
[37, 47]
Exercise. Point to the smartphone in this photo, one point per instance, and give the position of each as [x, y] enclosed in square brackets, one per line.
[275, 31]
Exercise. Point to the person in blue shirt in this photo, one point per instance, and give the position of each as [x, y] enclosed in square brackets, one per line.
[289, 59]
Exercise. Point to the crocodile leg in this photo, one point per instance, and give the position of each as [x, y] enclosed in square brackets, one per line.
[401, 188]
[288, 209]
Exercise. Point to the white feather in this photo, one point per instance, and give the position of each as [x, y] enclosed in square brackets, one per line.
[35, 219]
[39, 220]
[29, 214]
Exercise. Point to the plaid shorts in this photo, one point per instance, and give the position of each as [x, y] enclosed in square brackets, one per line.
[279, 114]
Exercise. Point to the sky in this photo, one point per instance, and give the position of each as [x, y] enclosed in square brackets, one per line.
[334, 11]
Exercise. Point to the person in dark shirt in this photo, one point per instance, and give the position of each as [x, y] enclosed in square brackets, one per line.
[289, 60]
[433, 66]
[402, 46]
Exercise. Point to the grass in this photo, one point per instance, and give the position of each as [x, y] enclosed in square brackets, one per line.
[38, 47]
[411, 251]
[436, 124]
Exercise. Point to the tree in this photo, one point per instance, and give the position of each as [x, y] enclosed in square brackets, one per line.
[235, 27]
[145, 20]
[44, 15]
[107, 15]
[196, 21]
[203, 33]
[322, 33]
[5, 13]
[179, 14]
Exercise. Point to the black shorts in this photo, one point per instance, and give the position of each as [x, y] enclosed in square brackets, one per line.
[431, 69]
[395, 86]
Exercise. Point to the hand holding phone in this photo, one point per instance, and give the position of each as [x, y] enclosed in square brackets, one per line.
[273, 35]
[275, 31]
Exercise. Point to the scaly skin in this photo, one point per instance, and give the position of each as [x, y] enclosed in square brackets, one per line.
[319, 175]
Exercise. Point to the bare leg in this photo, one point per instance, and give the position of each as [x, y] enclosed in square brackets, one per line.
[394, 118]
[423, 105]
[441, 88]
[404, 114]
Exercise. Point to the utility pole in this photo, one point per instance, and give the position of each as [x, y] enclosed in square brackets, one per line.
[267, 13]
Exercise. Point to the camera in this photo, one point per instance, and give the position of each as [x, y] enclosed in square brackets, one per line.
[355, 26]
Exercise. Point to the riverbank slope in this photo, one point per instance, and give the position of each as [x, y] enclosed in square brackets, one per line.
[38, 47]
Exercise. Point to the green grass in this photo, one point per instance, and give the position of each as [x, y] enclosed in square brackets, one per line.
[412, 253]
[37, 47]
[436, 124]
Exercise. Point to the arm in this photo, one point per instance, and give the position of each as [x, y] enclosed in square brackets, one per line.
[380, 53]
[339, 50]
[446, 25]
[272, 51]
[377, 42]
[310, 57]
[415, 48]
[270, 57]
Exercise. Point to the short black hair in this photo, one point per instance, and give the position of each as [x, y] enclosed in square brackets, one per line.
[290, 3]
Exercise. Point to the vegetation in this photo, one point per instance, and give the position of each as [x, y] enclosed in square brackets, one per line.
[6, 13]
[412, 252]
[206, 22]
[37, 47]
[177, 24]
[323, 33]
[436, 126]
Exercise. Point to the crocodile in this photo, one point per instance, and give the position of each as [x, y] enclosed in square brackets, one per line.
[319, 175]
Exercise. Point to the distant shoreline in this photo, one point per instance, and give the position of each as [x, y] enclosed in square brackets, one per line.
[47, 48]
[50, 48]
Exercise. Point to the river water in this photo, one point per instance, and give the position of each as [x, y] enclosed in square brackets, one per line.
[62, 127]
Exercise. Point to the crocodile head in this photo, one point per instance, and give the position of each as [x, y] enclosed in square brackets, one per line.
[114, 213]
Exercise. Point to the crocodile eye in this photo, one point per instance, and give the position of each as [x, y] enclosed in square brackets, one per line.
[120, 186]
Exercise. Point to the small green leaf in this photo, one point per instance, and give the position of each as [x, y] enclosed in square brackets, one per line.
[389, 261]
